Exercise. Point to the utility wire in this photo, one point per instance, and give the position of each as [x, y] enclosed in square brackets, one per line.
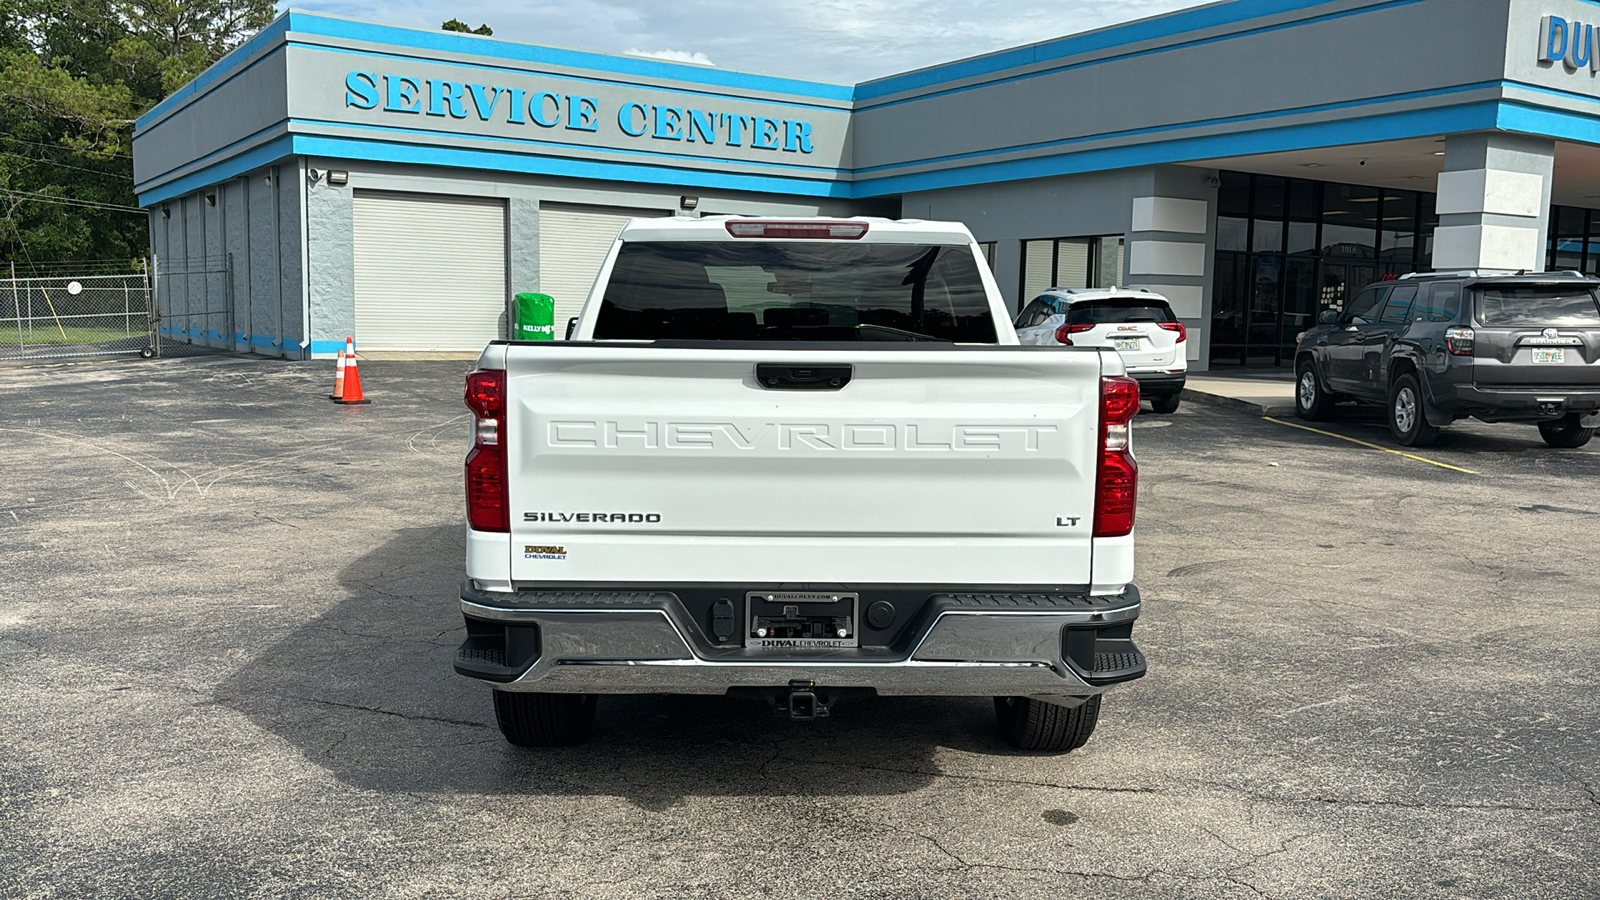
[59, 147]
[59, 165]
[70, 201]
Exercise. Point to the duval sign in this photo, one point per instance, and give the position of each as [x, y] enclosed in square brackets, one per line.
[1570, 43]
[406, 95]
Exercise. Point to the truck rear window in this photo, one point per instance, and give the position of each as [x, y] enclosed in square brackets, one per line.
[794, 291]
[1537, 305]
[1095, 312]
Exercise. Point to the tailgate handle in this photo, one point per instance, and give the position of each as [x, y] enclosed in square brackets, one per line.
[785, 377]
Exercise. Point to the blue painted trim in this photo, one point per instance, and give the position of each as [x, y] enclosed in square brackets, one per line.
[1480, 116]
[1055, 70]
[1215, 15]
[473, 45]
[220, 152]
[324, 346]
[412, 57]
[495, 160]
[1552, 123]
[218, 69]
[801, 171]
[1554, 92]
[1199, 123]
[221, 171]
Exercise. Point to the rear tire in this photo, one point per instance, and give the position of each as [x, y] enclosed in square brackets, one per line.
[544, 720]
[1407, 420]
[1312, 401]
[1029, 724]
[1165, 404]
[1565, 432]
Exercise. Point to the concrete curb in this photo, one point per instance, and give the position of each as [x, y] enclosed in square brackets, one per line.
[1261, 409]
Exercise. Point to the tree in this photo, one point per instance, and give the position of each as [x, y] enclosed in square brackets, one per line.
[458, 25]
[74, 75]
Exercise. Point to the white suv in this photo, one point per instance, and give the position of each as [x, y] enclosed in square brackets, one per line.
[1137, 323]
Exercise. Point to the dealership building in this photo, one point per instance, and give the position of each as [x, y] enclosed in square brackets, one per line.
[1253, 160]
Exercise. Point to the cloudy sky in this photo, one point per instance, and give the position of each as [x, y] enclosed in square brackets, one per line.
[842, 41]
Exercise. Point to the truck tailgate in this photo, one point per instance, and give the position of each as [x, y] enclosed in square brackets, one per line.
[669, 465]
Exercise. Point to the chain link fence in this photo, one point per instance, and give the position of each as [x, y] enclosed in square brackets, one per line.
[55, 316]
[194, 304]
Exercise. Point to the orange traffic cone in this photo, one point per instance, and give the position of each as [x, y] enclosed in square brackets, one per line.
[338, 380]
[352, 376]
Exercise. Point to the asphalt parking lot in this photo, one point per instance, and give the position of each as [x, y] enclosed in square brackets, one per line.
[227, 615]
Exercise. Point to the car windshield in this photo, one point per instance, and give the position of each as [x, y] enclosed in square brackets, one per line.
[1096, 312]
[1537, 305]
[795, 291]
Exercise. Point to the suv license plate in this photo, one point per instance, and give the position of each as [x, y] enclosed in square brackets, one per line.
[1127, 343]
[1550, 355]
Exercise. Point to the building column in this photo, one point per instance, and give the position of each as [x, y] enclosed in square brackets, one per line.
[1168, 251]
[1494, 202]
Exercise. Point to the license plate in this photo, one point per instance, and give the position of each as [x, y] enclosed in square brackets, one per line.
[1550, 355]
[1127, 343]
[800, 620]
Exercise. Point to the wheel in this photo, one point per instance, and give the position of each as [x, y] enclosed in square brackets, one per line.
[1312, 401]
[1030, 724]
[1165, 404]
[148, 353]
[1565, 432]
[544, 720]
[1407, 422]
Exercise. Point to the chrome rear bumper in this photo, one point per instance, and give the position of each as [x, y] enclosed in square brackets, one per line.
[991, 649]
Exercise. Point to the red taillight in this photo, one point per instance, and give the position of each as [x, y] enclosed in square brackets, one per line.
[836, 231]
[1117, 480]
[1459, 341]
[1183, 333]
[1074, 328]
[488, 505]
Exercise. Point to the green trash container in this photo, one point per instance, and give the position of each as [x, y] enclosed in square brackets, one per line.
[535, 318]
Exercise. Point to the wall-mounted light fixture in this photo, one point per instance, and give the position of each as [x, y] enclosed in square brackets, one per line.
[211, 199]
[688, 202]
[313, 175]
[338, 176]
[166, 211]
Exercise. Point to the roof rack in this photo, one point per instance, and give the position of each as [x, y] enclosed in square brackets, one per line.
[1481, 273]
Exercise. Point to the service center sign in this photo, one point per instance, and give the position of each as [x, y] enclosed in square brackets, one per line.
[596, 116]
[439, 98]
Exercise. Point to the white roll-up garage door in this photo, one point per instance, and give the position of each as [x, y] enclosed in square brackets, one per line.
[430, 271]
[573, 242]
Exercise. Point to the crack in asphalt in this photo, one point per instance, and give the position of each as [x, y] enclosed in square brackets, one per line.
[389, 712]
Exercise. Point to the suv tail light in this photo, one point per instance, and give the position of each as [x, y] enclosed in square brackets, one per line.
[1074, 328]
[848, 231]
[488, 503]
[1117, 478]
[1458, 341]
[1183, 333]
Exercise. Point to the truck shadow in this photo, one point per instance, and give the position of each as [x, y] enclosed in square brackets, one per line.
[366, 692]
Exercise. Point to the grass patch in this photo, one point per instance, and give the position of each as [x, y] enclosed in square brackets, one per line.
[46, 332]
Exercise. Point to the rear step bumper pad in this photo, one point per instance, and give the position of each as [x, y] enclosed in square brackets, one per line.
[622, 642]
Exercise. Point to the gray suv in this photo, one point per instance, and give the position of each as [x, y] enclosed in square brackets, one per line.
[1444, 346]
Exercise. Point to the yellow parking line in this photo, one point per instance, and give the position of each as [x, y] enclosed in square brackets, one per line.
[1431, 462]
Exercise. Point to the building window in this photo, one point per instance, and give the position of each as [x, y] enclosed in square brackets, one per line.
[987, 248]
[1079, 262]
[1288, 248]
[1574, 244]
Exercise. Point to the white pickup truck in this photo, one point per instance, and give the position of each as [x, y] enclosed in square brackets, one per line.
[800, 460]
